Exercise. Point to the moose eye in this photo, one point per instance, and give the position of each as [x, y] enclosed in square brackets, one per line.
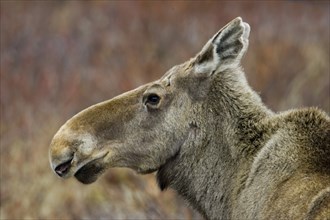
[152, 99]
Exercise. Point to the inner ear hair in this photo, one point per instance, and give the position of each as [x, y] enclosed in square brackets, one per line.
[232, 41]
[225, 48]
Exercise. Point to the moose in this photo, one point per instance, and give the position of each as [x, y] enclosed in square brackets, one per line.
[208, 136]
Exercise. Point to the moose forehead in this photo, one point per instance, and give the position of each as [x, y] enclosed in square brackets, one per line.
[177, 71]
[175, 74]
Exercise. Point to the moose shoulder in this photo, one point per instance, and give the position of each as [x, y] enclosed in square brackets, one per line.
[209, 137]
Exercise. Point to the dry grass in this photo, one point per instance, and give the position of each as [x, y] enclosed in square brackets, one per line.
[60, 57]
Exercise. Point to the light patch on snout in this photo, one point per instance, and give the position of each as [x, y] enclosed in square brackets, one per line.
[88, 143]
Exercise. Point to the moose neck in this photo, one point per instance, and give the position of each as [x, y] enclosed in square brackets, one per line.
[223, 138]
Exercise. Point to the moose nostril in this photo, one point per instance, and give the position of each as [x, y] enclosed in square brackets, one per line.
[63, 168]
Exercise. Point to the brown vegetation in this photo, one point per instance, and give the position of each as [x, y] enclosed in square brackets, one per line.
[60, 57]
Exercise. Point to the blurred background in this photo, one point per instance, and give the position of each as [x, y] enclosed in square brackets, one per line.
[59, 57]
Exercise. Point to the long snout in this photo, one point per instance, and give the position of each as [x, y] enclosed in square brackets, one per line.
[82, 145]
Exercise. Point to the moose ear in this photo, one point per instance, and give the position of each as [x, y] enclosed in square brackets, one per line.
[225, 49]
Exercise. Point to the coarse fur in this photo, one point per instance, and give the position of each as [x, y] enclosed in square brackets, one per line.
[209, 136]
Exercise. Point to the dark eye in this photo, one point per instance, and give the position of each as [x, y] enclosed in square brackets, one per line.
[152, 99]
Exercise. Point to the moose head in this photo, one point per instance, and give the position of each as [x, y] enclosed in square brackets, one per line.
[145, 128]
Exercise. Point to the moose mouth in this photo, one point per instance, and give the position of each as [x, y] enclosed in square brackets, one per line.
[90, 172]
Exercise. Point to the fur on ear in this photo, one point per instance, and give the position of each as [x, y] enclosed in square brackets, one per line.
[225, 49]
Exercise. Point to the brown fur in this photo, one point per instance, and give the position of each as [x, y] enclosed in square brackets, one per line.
[209, 137]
